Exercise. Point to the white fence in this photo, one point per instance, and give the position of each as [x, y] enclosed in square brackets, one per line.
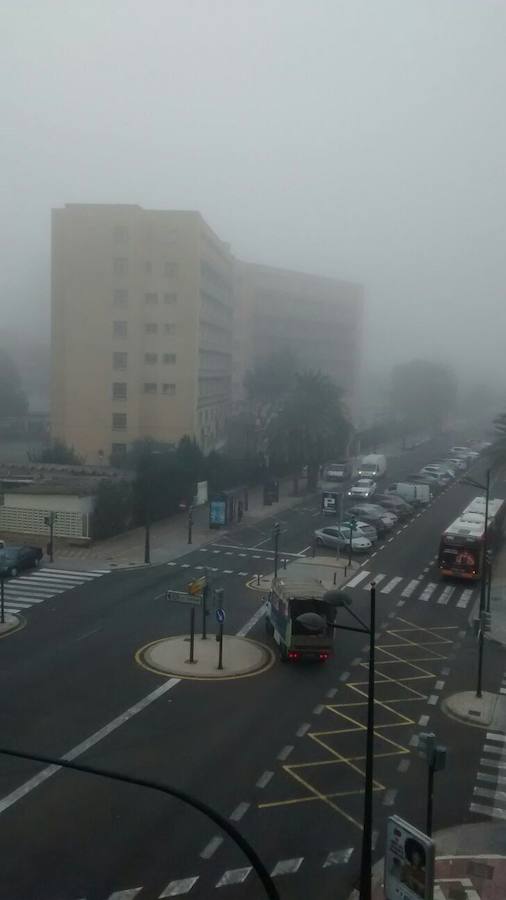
[31, 521]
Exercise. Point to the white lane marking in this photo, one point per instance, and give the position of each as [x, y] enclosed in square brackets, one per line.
[285, 752]
[185, 565]
[239, 812]
[125, 895]
[428, 592]
[243, 555]
[492, 779]
[414, 740]
[423, 721]
[227, 571]
[499, 796]
[376, 580]
[317, 711]
[408, 590]
[344, 676]
[301, 552]
[79, 749]
[211, 847]
[243, 574]
[496, 736]
[465, 598]
[265, 540]
[338, 857]
[28, 600]
[357, 579]
[445, 596]
[303, 729]
[389, 798]
[356, 661]
[433, 700]
[439, 685]
[43, 592]
[445, 671]
[390, 540]
[331, 692]
[401, 602]
[264, 779]
[391, 585]
[404, 765]
[287, 866]
[493, 763]
[234, 876]
[493, 748]
[199, 567]
[175, 564]
[490, 811]
[180, 887]
[251, 622]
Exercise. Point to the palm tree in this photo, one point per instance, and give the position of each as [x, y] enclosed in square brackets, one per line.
[312, 424]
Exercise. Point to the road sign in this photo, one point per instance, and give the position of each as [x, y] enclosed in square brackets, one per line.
[409, 862]
[197, 586]
[181, 597]
[220, 616]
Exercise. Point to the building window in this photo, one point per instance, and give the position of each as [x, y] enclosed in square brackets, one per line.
[151, 358]
[151, 328]
[119, 451]
[119, 360]
[119, 390]
[148, 267]
[119, 421]
[169, 328]
[120, 266]
[151, 299]
[119, 329]
[150, 387]
[121, 234]
[170, 299]
[120, 298]
[170, 269]
[169, 358]
[169, 389]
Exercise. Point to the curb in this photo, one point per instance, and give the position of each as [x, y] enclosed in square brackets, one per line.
[18, 623]
[263, 665]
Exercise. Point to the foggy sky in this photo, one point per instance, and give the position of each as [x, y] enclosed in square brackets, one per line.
[363, 139]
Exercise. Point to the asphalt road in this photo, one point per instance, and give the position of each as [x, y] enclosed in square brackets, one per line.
[281, 754]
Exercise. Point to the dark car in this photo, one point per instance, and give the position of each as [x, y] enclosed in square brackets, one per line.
[394, 504]
[14, 559]
[367, 513]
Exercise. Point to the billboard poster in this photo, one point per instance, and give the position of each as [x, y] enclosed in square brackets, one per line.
[409, 862]
[217, 510]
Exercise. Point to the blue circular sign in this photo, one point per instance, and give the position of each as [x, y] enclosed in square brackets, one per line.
[220, 616]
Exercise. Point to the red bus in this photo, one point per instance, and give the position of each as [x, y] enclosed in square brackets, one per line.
[461, 545]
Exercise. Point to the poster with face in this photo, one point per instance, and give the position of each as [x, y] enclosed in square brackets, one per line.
[409, 862]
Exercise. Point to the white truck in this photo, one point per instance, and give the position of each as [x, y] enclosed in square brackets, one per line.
[416, 494]
[372, 466]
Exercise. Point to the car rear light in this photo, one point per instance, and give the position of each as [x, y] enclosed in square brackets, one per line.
[293, 655]
[324, 656]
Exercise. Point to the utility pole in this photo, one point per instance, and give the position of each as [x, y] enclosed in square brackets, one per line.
[49, 521]
[276, 532]
[190, 524]
[366, 857]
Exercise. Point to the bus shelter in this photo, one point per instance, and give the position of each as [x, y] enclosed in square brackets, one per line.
[226, 507]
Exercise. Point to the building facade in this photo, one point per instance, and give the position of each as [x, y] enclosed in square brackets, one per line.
[142, 308]
[319, 319]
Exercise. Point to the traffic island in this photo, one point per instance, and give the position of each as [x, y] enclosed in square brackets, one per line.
[171, 656]
[12, 623]
[487, 711]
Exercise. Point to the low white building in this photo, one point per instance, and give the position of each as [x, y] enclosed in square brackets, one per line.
[25, 509]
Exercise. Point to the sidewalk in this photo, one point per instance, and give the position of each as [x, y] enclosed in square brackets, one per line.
[470, 864]
[498, 598]
[169, 537]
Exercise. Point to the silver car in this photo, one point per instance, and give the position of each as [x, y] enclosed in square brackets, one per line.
[335, 537]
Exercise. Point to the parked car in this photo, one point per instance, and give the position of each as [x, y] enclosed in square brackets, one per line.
[367, 513]
[443, 474]
[334, 536]
[394, 504]
[372, 466]
[360, 529]
[459, 462]
[463, 451]
[363, 487]
[14, 559]
[337, 472]
[431, 480]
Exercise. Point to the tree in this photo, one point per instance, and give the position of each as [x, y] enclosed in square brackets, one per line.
[312, 425]
[58, 453]
[271, 378]
[113, 509]
[423, 393]
[12, 397]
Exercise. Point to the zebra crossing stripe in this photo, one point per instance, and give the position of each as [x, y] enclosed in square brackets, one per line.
[376, 579]
[429, 590]
[465, 598]
[490, 811]
[391, 585]
[180, 887]
[445, 596]
[496, 736]
[408, 590]
[357, 579]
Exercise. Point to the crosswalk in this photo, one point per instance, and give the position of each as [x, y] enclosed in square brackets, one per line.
[28, 590]
[414, 588]
[489, 794]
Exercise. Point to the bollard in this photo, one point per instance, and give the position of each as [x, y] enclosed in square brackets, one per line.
[220, 647]
[285, 561]
[335, 577]
[258, 578]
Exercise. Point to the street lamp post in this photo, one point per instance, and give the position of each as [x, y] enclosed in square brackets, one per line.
[338, 599]
[190, 524]
[276, 531]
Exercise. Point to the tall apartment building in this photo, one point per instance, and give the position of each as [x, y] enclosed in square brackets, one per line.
[142, 305]
[319, 319]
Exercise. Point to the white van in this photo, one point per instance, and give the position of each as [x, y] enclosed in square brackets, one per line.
[372, 466]
[417, 494]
